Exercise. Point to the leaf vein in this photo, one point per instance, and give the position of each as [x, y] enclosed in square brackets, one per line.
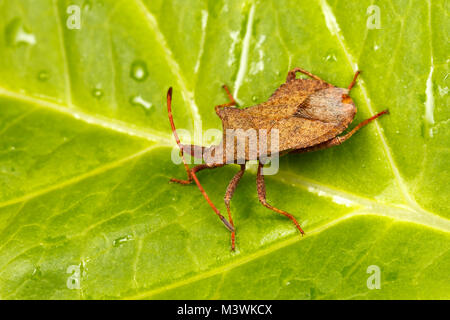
[78, 178]
[331, 19]
[188, 95]
[75, 112]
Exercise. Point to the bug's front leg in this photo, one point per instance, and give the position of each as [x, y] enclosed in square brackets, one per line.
[228, 195]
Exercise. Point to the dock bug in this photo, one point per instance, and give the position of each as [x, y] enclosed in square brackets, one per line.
[306, 114]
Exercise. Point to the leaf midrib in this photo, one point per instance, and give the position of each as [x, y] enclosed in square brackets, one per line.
[249, 258]
[188, 95]
[76, 113]
[369, 207]
[165, 140]
[327, 11]
[422, 217]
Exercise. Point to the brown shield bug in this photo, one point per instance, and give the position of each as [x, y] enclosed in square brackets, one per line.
[305, 114]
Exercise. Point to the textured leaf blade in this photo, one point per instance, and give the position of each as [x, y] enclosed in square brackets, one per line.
[84, 166]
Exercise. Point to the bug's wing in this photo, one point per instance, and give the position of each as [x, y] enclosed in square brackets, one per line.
[286, 99]
[297, 132]
[238, 131]
[294, 132]
[290, 111]
[320, 117]
[284, 102]
[235, 118]
[296, 91]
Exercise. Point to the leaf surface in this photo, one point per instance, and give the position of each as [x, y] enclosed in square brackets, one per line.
[86, 210]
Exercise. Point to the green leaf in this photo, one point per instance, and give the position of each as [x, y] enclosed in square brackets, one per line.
[86, 210]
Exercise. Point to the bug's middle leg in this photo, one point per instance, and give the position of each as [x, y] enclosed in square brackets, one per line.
[261, 186]
[228, 195]
[228, 104]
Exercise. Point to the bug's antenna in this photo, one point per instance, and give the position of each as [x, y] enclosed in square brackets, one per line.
[174, 130]
[190, 173]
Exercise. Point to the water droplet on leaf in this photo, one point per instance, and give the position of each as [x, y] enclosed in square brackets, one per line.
[43, 76]
[97, 93]
[37, 273]
[139, 101]
[87, 5]
[16, 33]
[139, 70]
[443, 91]
[122, 240]
[331, 57]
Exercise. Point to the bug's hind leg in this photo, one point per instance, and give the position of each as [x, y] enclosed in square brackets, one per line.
[229, 104]
[354, 80]
[339, 139]
[228, 195]
[261, 186]
[291, 75]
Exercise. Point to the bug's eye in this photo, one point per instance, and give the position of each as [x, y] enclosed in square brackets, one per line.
[346, 99]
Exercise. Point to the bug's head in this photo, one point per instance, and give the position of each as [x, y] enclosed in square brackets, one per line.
[330, 105]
